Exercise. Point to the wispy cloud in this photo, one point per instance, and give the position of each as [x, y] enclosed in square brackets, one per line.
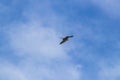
[41, 56]
[109, 70]
[34, 44]
[30, 39]
[110, 7]
[10, 72]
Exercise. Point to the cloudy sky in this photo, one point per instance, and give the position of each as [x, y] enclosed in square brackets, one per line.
[30, 32]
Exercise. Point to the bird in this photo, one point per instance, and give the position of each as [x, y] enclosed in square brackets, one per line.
[65, 39]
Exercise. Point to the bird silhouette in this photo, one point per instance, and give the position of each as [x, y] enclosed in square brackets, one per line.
[65, 39]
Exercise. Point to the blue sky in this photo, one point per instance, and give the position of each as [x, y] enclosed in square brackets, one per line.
[30, 32]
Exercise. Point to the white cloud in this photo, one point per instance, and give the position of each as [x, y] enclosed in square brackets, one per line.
[111, 7]
[10, 72]
[36, 39]
[51, 71]
[109, 71]
[42, 58]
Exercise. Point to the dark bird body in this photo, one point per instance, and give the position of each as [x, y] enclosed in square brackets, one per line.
[65, 39]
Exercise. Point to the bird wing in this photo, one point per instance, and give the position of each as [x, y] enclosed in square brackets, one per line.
[62, 41]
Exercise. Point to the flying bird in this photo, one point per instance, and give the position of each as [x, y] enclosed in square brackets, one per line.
[65, 39]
